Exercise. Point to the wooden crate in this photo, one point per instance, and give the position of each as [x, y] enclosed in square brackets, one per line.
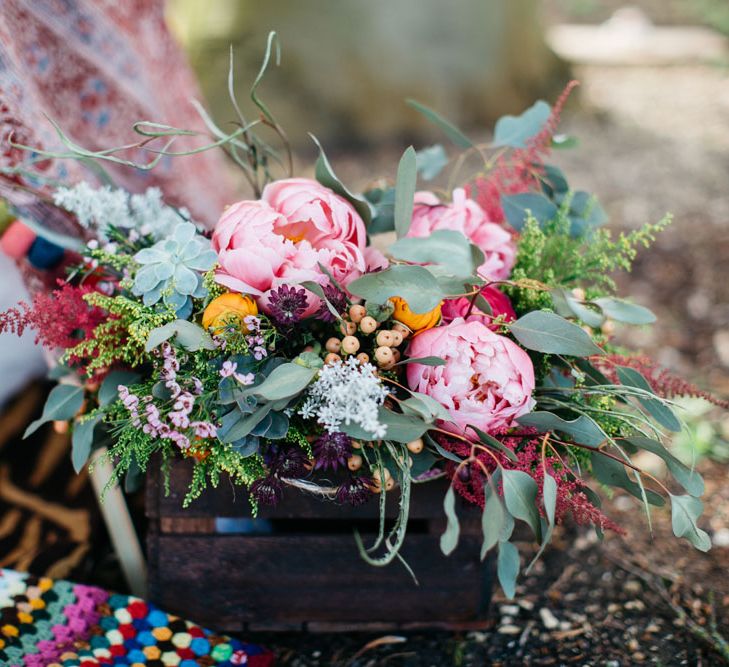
[297, 565]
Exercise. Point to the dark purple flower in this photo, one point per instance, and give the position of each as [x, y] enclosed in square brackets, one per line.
[337, 298]
[355, 491]
[332, 450]
[286, 305]
[267, 490]
[290, 462]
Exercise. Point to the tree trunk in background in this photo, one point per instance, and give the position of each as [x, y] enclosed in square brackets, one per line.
[348, 65]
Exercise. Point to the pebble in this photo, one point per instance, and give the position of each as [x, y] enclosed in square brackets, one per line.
[638, 656]
[653, 628]
[528, 605]
[509, 609]
[509, 630]
[613, 608]
[507, 620]
[721, 537]
[635, 605]
[478, 636]
[548, 619]
[632, 586]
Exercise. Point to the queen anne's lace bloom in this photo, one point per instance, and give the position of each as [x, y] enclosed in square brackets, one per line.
[346, 393]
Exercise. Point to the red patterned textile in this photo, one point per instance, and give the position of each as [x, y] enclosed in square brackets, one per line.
[96, 67]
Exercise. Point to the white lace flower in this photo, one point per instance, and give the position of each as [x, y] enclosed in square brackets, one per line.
[101, 208]
[346, 393]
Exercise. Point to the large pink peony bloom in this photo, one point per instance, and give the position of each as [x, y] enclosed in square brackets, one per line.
[281, 239]
[466, 216]
[487, 381]
[499, 302]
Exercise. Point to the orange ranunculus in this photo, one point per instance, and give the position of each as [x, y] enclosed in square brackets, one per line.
[416, 322]
[227, 309]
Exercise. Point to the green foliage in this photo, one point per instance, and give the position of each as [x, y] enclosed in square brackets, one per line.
[549, 254]
[122, 338]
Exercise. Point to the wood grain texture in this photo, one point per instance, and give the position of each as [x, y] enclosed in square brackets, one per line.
[303, 568]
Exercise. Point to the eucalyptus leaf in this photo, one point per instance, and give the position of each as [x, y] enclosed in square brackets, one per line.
[655, 407]
[428, 408]
[423, 361]
[688, 478]
[399, 427]
[492, 521]
[685, 511]
[446, 247]
[407, 176]
[415, 284]
[189, 335]
[326, 176]
[449, 539]
[492, 442]
[431, 161]
[244, 427]
[82, 440]
[63, 403]
[520, 496]
[583, 429]
[515, 131]
[518, 208]
[450, 456]
[547, 332]
[108, 391]
[450, 130]
[624, 311]
[285, 381]
[567, 305]
[507, 568]
[608, 471]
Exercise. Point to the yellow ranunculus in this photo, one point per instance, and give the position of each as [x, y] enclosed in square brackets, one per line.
[228, 309]
[416, 322]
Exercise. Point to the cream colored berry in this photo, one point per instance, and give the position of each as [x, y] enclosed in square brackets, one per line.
[354, 462]
[401, 329]
[396, 338]
[385, 338]
[608, 327]
[333, 345]
[350, 344]
[578, 293]
[363, 358]
[332, 358]
[356, 313]
[368, 324]
[348, 328]
[384, 355]
[395, 354]
[416, 446]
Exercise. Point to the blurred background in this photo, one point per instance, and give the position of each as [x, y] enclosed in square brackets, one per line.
[651, 123]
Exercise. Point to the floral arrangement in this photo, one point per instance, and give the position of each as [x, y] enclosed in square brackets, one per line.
[296, 349]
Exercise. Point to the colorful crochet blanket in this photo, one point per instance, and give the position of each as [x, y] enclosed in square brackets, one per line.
[56, 623]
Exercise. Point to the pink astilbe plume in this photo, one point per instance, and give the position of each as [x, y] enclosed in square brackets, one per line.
[571, 498]
[60, 319]
[664, 383]
[519, 170]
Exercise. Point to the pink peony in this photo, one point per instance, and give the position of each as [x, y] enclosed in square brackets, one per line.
[499, 302]
[466, 216]
[281, 239]
[487, 380]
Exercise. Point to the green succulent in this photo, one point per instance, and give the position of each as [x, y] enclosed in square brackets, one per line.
[172, 269]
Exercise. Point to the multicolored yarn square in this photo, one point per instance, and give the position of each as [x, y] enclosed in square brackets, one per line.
[47, 623]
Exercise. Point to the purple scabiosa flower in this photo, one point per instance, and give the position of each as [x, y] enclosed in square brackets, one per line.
[267, 490]
[355, 491]
[337, 298]
[332, 450]
[286, 305]
[290, 462]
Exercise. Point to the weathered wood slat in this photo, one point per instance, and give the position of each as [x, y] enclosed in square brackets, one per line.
[306, 571]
